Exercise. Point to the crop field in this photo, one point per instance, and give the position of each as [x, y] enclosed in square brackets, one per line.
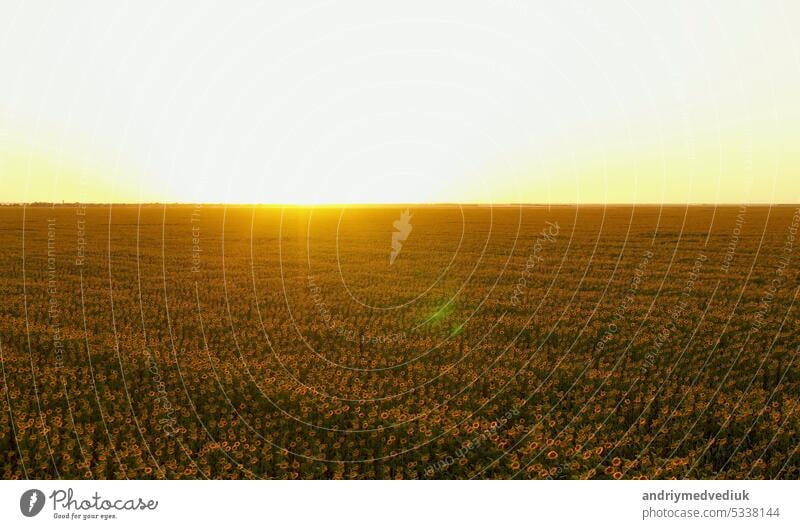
[428, 342]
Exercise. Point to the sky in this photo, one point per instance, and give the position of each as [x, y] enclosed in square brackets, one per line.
[405, 102]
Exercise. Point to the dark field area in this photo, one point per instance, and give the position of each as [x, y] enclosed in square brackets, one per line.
[505, 342]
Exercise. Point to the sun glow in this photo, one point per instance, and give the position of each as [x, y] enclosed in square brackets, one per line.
[360, 103]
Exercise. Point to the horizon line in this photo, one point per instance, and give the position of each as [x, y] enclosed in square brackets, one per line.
[400, 204]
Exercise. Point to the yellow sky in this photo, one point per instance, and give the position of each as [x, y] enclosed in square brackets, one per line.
[356, 102]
